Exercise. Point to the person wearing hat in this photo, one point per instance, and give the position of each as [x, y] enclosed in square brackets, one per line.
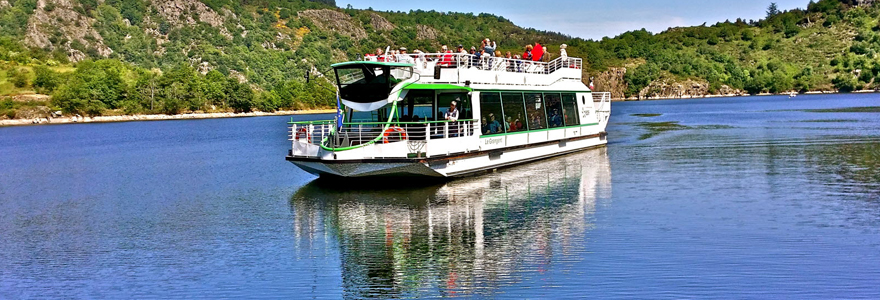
[562, 52]
[404, 57]
[452, 113]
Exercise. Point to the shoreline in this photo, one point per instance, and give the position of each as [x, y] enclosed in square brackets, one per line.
[133, 118]
[742, 95]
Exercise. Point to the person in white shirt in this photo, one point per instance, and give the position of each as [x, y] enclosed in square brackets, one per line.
[404, 57]
[451, 113]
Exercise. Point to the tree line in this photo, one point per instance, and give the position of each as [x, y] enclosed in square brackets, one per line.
[98, 86]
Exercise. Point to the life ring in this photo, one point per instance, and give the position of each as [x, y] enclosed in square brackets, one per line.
[400, 131]
[303, 132]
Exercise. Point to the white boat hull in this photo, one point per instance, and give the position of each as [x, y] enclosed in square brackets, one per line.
[447, 166]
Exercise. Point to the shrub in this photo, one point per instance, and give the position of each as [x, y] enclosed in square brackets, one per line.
[18, 77]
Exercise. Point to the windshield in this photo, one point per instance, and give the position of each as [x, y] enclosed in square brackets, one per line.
[366, 83]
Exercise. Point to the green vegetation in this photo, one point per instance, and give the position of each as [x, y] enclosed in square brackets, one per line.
[242, 56]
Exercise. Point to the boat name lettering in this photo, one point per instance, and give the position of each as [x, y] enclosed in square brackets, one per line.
[494, 141]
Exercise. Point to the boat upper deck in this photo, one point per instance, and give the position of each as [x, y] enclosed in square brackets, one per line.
[461, 68]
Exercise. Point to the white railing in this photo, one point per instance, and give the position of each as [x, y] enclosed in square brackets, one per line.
[602, 104]
[425, 64]
[350, 135]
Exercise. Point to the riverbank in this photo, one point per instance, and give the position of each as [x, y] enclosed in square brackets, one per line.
[130, 118]
[741, 95]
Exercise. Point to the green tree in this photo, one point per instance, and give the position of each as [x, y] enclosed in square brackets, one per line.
[772, 10]
[45, 80]
[19, 78]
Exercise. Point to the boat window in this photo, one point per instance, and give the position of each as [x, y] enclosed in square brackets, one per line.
[491, 113]
[379, 115]
[514, 111]
[366, 83]
[463, 104]
[537, 117]
[554, 109]
[418, 106]
[569, 110]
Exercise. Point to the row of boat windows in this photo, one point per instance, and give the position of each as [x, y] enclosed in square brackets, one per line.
[507, 112]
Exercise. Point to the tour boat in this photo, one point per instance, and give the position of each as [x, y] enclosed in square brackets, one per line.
[392, 116]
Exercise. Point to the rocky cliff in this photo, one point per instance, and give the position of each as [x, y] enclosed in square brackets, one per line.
[613, 81]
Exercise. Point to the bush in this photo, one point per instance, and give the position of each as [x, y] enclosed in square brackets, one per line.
[845, 83]
[45, 80]
[18, 77]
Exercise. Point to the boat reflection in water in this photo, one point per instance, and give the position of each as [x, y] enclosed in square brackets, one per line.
[469, 236]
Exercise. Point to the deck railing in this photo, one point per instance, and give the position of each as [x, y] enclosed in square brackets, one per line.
[322, 133]
[602, 104]
[428, 61]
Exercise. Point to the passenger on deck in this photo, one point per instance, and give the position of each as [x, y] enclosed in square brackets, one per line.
[461, 59]
[451, 113]
[445, 60]
[528, 54]
[511, 67]
[489, 46]
[509, 125]
[473, 56]
[404, 57]
[380, 55]
[562, 53]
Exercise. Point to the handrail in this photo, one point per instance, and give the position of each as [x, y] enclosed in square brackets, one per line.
[377, 123]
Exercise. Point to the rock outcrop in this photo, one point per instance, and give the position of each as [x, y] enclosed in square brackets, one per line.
[668, 88]
[332, 20]
[380, 24]
[425, 32]
[611, 80]
[57, 21]
[181, 13]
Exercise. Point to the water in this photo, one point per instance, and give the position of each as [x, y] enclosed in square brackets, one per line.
[764, 197]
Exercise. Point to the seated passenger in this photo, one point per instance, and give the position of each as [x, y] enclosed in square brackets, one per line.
[555, 118]
[494, 126]
[509, 125]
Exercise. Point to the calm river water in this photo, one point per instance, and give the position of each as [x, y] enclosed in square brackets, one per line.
[762, 197]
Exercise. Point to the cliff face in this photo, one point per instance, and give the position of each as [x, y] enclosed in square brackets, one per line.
[613, 81]
[61, 19]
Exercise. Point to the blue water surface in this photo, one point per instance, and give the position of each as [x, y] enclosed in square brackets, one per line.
[744, 198]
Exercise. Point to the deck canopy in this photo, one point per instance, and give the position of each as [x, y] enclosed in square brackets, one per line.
[366, 85]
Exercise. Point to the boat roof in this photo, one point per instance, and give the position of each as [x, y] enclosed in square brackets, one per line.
[392, 64]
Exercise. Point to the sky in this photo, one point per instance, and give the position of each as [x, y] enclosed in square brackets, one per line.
[595, 19]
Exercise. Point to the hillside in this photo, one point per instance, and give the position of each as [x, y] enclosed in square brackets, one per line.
[172, 56]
